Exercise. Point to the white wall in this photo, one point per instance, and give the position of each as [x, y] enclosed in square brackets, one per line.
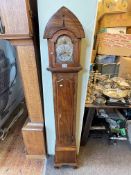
[85, 10]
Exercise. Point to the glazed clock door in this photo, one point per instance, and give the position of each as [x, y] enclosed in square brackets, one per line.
[65, 90]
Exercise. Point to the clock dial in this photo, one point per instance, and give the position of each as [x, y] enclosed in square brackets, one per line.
[64, 49]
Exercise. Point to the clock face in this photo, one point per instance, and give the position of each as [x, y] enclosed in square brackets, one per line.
[64, 49]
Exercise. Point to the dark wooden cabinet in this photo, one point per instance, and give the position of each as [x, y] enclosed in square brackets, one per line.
[64, 33]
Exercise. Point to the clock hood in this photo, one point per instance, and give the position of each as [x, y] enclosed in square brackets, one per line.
[64, 19]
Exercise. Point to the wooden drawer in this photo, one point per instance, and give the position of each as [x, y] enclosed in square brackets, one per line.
[14, 17]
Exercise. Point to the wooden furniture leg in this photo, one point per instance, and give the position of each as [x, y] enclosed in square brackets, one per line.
[86, 129]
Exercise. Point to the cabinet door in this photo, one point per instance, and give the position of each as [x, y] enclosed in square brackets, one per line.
[13, 14]
[65, 103]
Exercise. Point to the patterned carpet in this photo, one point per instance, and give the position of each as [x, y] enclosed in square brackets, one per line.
[98, 157]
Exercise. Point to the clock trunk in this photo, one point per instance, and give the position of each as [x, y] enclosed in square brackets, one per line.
[65, 87]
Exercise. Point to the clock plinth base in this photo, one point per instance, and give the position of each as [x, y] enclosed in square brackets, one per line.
[66, 156]
[59, 165]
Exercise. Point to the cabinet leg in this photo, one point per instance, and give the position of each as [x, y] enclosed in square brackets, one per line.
[86, 129]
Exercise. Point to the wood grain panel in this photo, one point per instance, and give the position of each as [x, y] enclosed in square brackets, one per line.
[129, 5]
[65, 102]
[34, 139]
[128, 30]
[66, 156]
[119, 20]
[14, 16]
[64, 19]
[27, 62]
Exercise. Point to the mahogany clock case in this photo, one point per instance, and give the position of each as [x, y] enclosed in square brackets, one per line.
[64, 33]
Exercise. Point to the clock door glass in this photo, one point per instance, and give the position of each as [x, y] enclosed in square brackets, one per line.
[64, 49]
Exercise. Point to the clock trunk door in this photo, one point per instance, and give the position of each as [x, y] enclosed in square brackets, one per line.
[65, 87]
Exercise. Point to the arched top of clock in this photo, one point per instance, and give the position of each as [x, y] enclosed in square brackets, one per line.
[64, 19]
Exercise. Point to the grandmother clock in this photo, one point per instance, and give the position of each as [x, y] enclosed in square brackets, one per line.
[64, 33]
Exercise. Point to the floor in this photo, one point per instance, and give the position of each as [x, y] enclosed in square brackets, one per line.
[13, 156]
[98, 157]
